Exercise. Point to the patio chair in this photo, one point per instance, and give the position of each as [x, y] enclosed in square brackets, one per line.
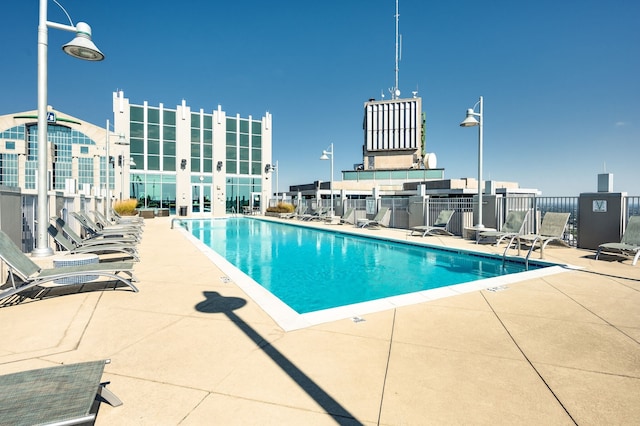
[93, 240]
[102, 220]
[115, 250]
[512, 227]
[438, 227]
[551, 230]
[629, 245]
[380, 219]
[349, 216]
[94, 230]
[66, 394]
[32, 275]
[315, 215]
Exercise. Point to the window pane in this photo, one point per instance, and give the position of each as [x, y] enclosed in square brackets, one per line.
[256, 141]
[169, 163]
[153, 147]
[231, 153]
[231, 124]
[195, 120]
[137, 113]
[154, 131]
[153, 115]
[207, 122]
[244, 154]
[195, 135]
[256, 127]
[137, 146]
[231, 138]
[169, 148]
[244, 167]
[244, 126]
[169, 133]
[169, 117]
[136, 130]
[153, 162]
[244, 140]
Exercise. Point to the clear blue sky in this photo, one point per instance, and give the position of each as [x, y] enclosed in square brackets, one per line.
[560, 79]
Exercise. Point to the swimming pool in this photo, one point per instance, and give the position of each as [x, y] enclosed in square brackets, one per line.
[313, 270]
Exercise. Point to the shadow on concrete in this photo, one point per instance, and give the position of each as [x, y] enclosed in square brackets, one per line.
[215, 303]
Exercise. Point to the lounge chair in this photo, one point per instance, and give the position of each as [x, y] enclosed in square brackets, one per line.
[94, 240]
[438, 227]
[551, 230]
[349, 216]
[102, 220]
[512, 227]
[380, 219]
[61, 395]
[315, 215]
[31, 275]
[115, 250]
[629, 245]
[94, 230]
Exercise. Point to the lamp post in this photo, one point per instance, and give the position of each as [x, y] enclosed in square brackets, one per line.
[326, 155]
[80, 47]
[471, 121]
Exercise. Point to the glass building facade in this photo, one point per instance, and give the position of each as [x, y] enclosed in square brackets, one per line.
[75, 160]
[206, 163]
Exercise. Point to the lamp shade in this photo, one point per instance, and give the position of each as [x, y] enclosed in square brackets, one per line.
[324, 156]
[81, 46]
[470, 121]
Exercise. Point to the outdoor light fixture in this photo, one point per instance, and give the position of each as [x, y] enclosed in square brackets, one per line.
[80, 47]
[219, 166]
[326, 155]
[471, 121]
[183, 164]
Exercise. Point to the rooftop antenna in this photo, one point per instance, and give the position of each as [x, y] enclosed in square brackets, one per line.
[395, 91]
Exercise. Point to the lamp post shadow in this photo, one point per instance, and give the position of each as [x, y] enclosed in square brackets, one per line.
[215, 303]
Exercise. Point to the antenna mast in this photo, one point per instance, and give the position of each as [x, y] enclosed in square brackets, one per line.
[396, 92]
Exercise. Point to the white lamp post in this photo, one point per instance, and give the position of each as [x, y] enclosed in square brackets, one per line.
[326, 155]
[80, 47]
[471, 121]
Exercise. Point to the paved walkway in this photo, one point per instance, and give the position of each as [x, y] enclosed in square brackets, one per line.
[192, 349]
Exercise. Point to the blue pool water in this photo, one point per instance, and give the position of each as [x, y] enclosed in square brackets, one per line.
[310, 269]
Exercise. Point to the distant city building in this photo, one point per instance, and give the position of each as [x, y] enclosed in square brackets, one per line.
[394, 134]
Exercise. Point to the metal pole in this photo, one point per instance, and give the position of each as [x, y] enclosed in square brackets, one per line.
[42, 218]
[331, 182]
[107, 198]
[480, 205]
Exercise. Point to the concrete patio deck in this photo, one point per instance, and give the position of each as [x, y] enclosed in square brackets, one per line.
[192, 349]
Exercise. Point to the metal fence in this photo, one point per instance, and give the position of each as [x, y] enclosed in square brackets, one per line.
[405, 211]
